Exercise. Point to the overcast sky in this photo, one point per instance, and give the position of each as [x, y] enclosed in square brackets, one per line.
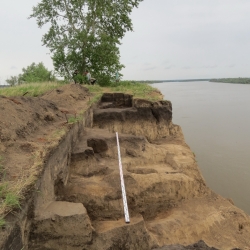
[172, 39]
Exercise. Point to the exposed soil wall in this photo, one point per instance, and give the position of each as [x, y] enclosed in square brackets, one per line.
[55, 174]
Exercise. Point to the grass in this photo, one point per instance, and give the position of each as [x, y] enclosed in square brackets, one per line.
[12, 200]
[10, 195]
[30, 89]
[138, 90]
[73, 119]
[58, 133]
[2, 169]
[2, 222]
[12, 192]
[95, 98]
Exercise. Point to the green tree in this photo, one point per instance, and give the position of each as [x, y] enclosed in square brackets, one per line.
[13, 80]
[33, 73]
[85, 34]
[36, 73]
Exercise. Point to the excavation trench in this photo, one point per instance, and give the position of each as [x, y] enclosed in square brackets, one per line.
[78, 203]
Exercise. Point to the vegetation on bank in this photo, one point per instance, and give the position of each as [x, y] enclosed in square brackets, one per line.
[238, 80]
[11, 193]
[30, 89]
[33, 73]
[138, 90]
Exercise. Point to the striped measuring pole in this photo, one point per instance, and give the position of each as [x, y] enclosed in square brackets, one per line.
[124, 197]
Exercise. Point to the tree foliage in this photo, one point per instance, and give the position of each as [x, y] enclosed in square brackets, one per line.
[36, 73]
[85, 34]
[33, 73]
[13, 80]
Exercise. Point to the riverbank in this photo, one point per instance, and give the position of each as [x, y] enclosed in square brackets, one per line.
[78, 189]
[214, 121]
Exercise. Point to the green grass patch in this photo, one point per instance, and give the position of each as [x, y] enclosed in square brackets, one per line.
[30, 89]
[94, 88]
[138, 90]
[2, 222]
[12, 200]
[3, 190]
[73, 119]
[9, 197]
[2, 169]
[95, 98]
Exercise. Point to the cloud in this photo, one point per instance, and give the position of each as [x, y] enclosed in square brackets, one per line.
[169, 67]
[149, 68]
[209, 67]
[165, 62]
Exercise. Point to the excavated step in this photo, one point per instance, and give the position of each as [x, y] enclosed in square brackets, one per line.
[119, 235]
[62, 225]
[150, 188]
[152, 184]
[153, 122]
[147, 194]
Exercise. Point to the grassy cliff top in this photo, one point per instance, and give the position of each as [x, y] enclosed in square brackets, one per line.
[138, 90]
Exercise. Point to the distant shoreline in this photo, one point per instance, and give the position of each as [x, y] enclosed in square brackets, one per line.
[222, 80]
[178, 80]
[232, 80]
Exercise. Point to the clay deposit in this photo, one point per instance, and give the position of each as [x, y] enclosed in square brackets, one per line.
[77, 203]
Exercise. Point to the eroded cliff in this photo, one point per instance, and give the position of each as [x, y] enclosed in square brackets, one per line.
[79, 204]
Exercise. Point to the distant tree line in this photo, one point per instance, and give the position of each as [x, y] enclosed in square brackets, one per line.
[33, 73]
[238, 80]
[183, 80]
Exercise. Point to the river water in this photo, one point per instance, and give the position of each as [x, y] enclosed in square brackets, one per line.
[215, 119]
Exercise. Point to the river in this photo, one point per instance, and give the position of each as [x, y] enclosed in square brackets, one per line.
[215, 119]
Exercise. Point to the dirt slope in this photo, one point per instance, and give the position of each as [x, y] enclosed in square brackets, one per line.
[29, 125]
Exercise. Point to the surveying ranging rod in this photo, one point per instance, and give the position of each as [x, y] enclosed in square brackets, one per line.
[124, 198]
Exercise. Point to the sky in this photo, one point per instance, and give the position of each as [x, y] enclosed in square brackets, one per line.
[172, 39]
